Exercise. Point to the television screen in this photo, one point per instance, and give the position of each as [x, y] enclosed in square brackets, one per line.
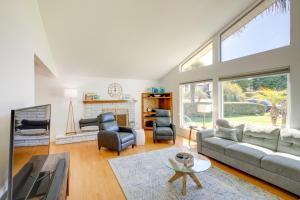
[30, 136]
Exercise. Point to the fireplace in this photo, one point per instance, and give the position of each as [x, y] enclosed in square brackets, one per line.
[121, 115]
[123, 110]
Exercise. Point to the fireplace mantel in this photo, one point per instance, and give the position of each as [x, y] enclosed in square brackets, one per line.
[108, 101]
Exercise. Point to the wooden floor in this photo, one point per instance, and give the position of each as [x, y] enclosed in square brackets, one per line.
[91, 177]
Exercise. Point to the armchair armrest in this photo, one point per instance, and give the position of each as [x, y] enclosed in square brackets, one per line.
[173, 127]
[126, 129]
[154, 130]
[202, 134]
[109, 139]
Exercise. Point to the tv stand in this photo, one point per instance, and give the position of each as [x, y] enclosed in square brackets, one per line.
[44, 176]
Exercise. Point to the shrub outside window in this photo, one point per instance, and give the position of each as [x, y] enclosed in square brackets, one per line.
[197, 104]
[259, 100]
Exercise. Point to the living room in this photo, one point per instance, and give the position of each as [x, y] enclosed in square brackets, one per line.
[150, 99]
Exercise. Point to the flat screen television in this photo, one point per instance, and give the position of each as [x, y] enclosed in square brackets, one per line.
[29, 136]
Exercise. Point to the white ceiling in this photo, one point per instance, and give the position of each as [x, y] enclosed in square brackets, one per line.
[139, 39]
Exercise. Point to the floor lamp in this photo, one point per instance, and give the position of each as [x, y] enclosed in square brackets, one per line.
[204, 108]
[70, 94]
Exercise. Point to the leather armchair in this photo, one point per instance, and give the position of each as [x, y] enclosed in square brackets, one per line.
[163, 128]
[112, 136]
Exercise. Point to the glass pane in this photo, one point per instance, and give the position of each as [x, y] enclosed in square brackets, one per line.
[197, 104]
[266, 27]
[259, 100]
[203, 58]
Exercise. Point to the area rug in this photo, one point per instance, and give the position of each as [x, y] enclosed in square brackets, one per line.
[145, 177]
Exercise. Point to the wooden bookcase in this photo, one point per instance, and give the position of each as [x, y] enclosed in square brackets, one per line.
[154, 101]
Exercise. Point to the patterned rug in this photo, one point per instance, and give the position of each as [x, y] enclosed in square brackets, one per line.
[145, 177]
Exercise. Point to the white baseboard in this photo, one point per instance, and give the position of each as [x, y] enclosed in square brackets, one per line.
[80, 137]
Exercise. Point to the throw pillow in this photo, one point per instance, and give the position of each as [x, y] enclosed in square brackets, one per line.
[227, 133]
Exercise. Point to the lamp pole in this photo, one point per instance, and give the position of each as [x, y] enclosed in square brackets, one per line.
[70, 129]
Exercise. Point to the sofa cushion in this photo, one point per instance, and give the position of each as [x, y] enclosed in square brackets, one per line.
[284, 164]
[289, 141]
[239, 128]
[227, 133]
[264, 136]
[217, 144]
[125, 137]
[164, 131]
[248, 153]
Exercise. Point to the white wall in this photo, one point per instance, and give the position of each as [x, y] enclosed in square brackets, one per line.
[21, 36]
[50, 89]
[286, 56]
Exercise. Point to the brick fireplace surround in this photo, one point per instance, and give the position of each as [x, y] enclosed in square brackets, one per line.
[91, 109]
[94, 109]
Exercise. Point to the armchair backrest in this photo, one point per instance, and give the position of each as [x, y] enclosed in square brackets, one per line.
[107, 122]
[163, 117]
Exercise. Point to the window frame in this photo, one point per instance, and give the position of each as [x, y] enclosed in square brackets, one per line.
[195, 53]
[235, 21]
[181, 108]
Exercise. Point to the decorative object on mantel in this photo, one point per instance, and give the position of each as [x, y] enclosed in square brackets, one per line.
[109, 101]
[115, 91]
[89, 96]
[70, 93]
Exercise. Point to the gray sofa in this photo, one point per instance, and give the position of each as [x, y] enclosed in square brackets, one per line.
[269, 153]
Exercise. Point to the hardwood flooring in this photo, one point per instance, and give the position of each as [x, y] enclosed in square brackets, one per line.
[91, 177]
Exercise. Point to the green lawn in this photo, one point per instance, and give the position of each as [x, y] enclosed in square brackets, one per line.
[260, 120]
[255, 120]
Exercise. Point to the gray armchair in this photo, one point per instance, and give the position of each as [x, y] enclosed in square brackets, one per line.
[163, 128]
[112, 136]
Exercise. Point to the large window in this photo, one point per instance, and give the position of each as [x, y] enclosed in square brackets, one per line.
[261, 100]
[265, 27]
[196, 104]
[202, 58]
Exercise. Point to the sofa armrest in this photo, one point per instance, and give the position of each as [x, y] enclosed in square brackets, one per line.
[206, 133]
[109, 139]
[202, 134]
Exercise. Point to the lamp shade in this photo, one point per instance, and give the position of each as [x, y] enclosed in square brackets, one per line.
[204, 108]
[70, 93]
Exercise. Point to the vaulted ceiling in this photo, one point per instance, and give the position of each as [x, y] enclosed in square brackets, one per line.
[139, 39]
